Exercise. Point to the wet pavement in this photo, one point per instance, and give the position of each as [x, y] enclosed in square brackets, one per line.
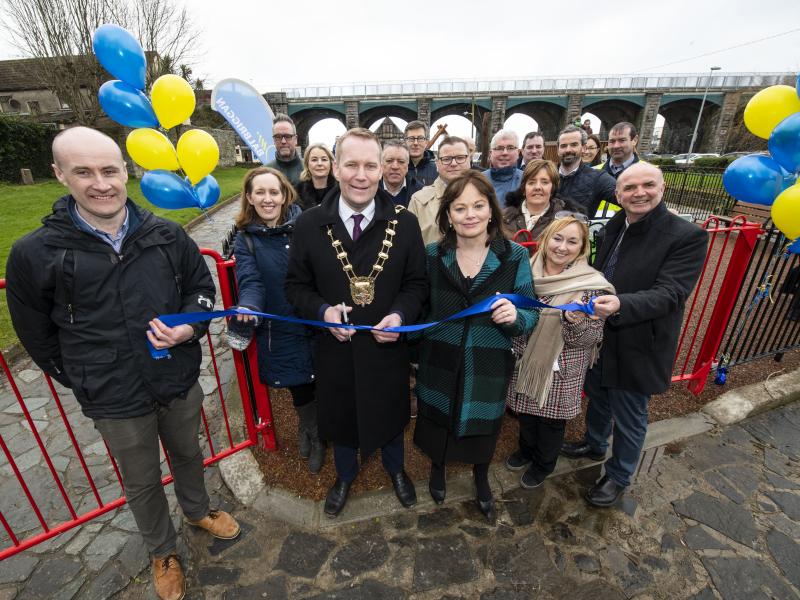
[714, 516]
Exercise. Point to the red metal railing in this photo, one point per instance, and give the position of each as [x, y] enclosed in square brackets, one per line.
[258, 427]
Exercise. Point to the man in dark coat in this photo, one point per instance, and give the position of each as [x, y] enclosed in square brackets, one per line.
[653, 258]
[286, 160]
[622, 140]
[580, 182]
[357, 258]
[83, 290]
[422, 166]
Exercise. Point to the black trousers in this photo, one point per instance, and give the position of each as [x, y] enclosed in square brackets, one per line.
[540, 441]
[302, 394]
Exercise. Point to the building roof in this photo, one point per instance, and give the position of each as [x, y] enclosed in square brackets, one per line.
[23, 74]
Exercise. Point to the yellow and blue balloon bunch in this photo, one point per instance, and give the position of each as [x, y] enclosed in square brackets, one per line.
[772, 114]
[171, 103]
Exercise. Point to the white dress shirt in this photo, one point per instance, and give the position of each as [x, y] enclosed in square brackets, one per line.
[346, 215]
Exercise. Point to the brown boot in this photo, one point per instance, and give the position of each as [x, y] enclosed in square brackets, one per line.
[168, 578]
[219, 524]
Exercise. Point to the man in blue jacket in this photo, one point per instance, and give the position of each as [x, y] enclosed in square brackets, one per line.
[503, 173]
[83, 290]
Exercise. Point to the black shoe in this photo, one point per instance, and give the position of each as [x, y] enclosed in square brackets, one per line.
[437, 495]
[487, 509]
[337, 497]
[605, 492]
[517, 462]
[532, 479]
[404, 489]
[581, 450]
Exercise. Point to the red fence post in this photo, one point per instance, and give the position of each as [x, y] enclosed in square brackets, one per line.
[724, 305]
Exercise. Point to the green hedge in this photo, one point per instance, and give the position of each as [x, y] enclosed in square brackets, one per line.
[24, 145]
[713, 161]
[662, 162]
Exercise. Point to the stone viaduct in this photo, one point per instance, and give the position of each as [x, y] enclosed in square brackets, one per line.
[551, 102]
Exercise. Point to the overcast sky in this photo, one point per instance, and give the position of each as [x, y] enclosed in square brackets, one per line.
[309, 42]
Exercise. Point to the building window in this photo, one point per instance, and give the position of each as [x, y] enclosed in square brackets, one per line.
[33, 107]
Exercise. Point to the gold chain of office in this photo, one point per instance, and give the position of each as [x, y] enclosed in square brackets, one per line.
[362, 288]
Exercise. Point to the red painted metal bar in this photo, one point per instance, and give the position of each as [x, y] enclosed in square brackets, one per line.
[8, 529]
[23, 485]
[38, 438]
[747, 234]
[219, 391]
[263, 422]
[114, 465]
[208, 433]
[72, 439]
[109, 506]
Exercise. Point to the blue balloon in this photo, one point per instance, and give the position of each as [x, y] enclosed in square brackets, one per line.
[120, 54]
[207, 191]
[797, 86]
[784, 143]
[126, 105]
[167, 190]
[794, 248]
[755, 178]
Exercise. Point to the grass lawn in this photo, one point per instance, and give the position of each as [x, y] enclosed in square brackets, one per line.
[23, 206]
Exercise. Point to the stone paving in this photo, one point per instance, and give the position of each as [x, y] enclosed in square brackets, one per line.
[717, 517]
[102, 557]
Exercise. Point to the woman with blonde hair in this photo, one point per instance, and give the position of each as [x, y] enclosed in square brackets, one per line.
[316, 179]
[546, 389]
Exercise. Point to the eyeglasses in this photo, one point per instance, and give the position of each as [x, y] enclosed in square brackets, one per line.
[563, 214]
[416, 138]
[448, 160]
[283, 136]
[504, 148]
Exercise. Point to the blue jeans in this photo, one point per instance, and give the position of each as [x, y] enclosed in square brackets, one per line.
[628, 411]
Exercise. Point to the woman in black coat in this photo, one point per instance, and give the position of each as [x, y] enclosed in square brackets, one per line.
[317, 178]
[534, 205]
[265, 225]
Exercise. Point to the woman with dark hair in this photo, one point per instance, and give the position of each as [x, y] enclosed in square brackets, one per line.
[265, 224]
[546, 390]
[591, 151]
[317, 178]
[465, 365]
[534, 204]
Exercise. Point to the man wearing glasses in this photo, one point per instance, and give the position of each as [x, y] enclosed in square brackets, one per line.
[284, 136]
[453, 160]
[421, 167]
[504, 174]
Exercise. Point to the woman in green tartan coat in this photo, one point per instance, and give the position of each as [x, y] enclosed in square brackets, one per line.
[465, 365]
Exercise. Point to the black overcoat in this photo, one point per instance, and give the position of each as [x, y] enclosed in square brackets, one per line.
[362, 385]
[659, 261]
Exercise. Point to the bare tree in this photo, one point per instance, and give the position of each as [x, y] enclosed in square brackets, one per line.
[58, 35]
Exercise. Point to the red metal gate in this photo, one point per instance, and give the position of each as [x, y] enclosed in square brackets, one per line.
[258, 428]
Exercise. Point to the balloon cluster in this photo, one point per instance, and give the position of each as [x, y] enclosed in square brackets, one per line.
[772, 114]
[171, 103]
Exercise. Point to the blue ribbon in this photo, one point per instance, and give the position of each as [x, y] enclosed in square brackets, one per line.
[483, 306]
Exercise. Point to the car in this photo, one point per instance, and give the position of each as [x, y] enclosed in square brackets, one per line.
[688, 159]
[731, 156]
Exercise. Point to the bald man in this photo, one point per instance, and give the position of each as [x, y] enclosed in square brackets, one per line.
[84, 291]
[653, 258]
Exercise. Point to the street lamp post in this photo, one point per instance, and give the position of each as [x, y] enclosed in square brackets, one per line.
[700, 114]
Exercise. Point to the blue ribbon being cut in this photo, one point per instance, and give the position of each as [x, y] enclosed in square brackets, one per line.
[481, 307]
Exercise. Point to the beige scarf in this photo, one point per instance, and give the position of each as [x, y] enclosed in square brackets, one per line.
[547, 340]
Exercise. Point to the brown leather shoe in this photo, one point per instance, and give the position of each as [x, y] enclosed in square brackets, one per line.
[168, 578]
[219, 524]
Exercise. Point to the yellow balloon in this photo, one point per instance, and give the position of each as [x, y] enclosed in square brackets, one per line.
[786, 212]
[769, 107]
[173, 100]
[151, 149]
[198, 154]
